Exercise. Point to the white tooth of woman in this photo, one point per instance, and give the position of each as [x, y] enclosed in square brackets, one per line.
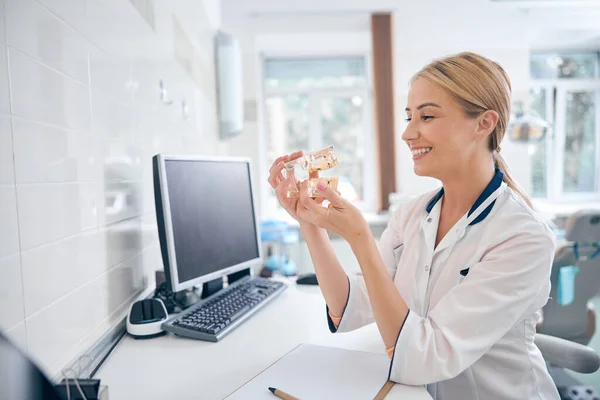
[421, 151]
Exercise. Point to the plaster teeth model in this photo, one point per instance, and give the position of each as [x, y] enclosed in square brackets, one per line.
[320, 160]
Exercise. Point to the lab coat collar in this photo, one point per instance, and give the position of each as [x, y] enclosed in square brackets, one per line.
[490, 188]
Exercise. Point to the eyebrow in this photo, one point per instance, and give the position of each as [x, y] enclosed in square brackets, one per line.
[424, 105]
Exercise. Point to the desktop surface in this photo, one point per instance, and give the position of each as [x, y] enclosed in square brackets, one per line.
[182, 368]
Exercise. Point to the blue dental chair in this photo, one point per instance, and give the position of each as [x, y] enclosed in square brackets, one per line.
[569, 320]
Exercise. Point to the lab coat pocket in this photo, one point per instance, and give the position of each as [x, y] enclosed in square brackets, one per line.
[398, 252]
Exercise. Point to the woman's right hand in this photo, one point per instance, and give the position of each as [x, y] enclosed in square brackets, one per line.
[280, 184]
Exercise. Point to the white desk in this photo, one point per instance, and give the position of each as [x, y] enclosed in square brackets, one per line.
[172, 367]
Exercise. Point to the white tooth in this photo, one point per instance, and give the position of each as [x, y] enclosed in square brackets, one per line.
[418, 152]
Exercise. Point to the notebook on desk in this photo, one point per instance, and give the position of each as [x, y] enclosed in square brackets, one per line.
[320, 372]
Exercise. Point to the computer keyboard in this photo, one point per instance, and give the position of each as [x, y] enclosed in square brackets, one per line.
[213, 318]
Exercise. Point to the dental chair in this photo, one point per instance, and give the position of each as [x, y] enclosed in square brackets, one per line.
[569, 320]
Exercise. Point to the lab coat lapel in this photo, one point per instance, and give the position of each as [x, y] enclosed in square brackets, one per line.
[428, 233]
[448, 242]
[429, 227]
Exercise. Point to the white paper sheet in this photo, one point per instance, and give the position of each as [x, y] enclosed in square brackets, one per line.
[314, 372]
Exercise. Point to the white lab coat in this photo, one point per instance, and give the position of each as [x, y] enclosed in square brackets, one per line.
[474, 300]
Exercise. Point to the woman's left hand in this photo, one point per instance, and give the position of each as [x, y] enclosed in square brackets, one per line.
[340, 216]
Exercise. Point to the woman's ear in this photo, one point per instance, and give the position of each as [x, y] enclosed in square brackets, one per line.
[487, 123]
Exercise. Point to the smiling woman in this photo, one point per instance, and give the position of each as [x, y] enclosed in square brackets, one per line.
[449, 81]
[459, 276]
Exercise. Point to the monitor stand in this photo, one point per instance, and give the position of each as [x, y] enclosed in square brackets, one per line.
[238, 275]
[211, 287]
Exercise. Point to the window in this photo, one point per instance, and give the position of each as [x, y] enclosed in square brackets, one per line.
[566, 92]
[312, 103]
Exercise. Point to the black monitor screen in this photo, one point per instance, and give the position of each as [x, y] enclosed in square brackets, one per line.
[212, 215]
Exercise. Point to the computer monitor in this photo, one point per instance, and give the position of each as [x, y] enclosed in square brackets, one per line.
[206, 218]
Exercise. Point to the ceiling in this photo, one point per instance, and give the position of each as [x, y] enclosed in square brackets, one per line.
[551, 24]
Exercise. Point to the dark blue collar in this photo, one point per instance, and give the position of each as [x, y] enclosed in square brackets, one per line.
[490, 188]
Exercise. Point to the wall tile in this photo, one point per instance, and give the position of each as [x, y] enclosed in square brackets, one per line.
[122, 281]
[152, 262]
[44, 95]
[149, 229]
[4, 91]
[110, 119]
[123, 241]
[122, 201]
[11, 293]
[67, 263]
[9, 227]
[148, 201]
[57, 328]
[45, 154]
[110, 77]
[145, 78]
[7, 173]
[128, 33]
[50, 212]
[70, 11]
[35, 31]
[93, 336]
[122, 161]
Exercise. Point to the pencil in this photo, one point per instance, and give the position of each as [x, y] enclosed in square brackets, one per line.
[282, 395]
[385, 389]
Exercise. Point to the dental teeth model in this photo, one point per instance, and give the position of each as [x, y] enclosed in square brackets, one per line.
[316, 161]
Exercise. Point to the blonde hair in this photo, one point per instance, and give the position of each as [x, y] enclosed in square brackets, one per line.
[478, 84]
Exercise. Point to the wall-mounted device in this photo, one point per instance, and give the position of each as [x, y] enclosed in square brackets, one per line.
[230, 93]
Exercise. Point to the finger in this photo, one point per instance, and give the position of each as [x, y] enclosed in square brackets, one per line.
[311, 205]
[276, 164]
[289, 157]
[329, 194]
[304, 197]
[281, 190]
[295, 155]
[283, 158]
[275, 173]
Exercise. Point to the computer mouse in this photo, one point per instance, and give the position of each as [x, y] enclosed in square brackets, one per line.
[307, 279]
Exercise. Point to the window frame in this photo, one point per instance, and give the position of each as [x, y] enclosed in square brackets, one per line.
[368, 199]
[555, 142]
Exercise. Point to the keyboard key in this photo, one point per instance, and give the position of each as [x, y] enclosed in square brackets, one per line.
[239, 313]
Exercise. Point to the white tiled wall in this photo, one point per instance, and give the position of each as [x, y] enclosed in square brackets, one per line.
[80, 119]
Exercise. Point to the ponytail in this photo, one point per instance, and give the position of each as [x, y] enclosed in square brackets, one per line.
[500, 163]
